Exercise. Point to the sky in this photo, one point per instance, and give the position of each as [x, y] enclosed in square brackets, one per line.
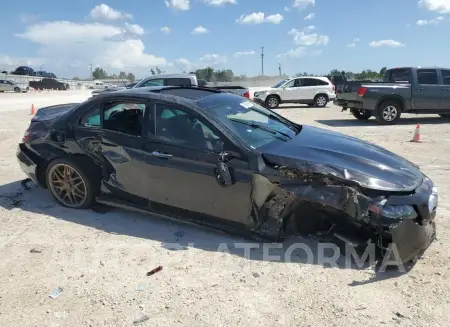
[315, 36]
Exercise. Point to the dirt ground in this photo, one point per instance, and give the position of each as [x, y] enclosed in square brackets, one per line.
[100, 260]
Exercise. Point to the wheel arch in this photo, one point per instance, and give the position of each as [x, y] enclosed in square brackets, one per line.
[392, 97]
[324, 94]
[43, 164]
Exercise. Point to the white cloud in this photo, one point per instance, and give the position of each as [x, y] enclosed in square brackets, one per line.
[386, 43]
[182, 5]
[220, 2]
[165, 29]
[274, 19]
[310, 16]
[311, 27]
[440, 6]
[134, 29]
[423, 22]
[12, 62]
[302, 4]
[287, 9]
[105, 12]
[213, 59]
[111, 47]
[208, 60]
[259, 18]
[353, 44]
[199, 30]
[294, 53]
[183, 62]
[303, 38]
[244, 53]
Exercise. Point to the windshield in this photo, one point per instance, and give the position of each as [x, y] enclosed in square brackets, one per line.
[279, 84]
[252, 123]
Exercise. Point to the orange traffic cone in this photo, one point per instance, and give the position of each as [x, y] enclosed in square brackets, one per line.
[33, 110]
[416, 137]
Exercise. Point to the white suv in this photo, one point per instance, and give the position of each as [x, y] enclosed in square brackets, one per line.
[313, 91]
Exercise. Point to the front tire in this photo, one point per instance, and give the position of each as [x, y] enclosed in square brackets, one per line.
[272, 102]
[361, 114]
[17, 90]
[70, 183]
[388, 112]
[320, 100]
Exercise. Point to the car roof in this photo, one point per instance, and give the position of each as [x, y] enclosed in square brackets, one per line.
[322, 78]
[185, 95]
[183, 75]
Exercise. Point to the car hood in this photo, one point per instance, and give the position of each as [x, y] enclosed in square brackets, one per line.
[346, 157]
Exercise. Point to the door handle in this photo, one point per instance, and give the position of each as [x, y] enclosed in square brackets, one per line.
[161, 155]
[419, 90]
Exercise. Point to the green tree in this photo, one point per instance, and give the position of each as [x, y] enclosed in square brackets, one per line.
[152, 71]
[131, 77]
[158, 70]
[383, 71]
[99, 73]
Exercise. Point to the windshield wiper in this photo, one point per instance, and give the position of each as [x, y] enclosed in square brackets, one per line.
[264, 128]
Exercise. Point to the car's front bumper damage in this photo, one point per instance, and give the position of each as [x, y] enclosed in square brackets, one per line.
[315, 205]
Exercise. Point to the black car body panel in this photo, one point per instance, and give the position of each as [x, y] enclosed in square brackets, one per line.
[49, 84]
[342, 152]
[314, 183]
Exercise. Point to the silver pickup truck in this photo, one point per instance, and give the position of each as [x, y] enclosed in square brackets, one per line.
[178, 80]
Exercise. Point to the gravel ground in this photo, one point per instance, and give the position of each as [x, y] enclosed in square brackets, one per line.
[100, 260]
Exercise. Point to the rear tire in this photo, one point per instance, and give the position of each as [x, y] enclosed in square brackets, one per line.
[320, 100]
[272, 102]
[81, 181]
[361, 114]
[388, 112]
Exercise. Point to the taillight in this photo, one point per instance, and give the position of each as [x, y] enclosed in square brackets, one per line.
[362, 91]
[246, 95]
[26, 136]
[334, 87]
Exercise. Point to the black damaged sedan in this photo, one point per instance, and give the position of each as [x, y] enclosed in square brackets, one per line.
[217, 159]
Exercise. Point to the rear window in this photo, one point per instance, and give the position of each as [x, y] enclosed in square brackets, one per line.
[178, 82]
[320, 82]
[427, 76]
[398, 75]
[309, 82]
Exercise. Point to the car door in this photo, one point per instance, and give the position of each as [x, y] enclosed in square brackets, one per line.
[183, 153]
[426, 93]
[110, 131]
[2, 85]
[445, 98]
[293, 90]
[310, 88]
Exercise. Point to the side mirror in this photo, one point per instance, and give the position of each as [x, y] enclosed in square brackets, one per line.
[226, 156]
[223, 175]
[222, 171]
